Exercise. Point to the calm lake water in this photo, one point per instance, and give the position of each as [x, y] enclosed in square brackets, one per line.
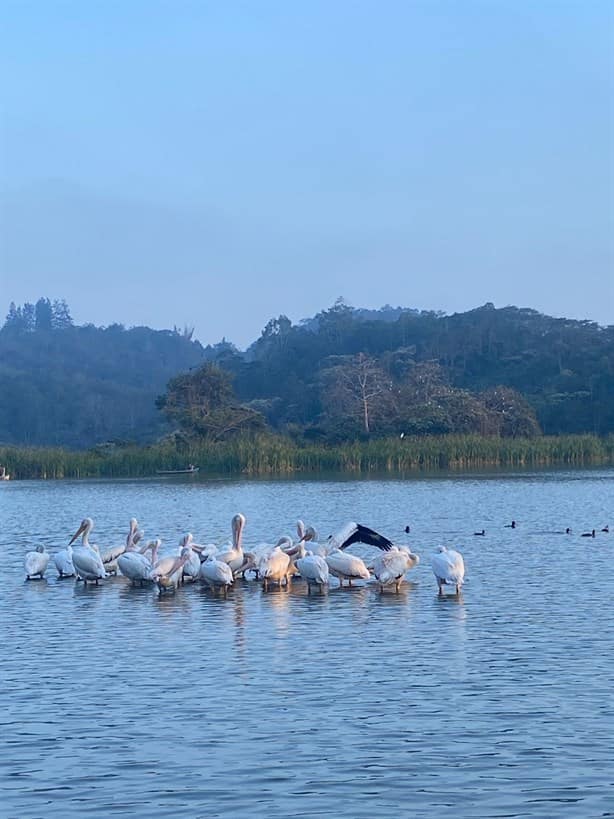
[498, 704]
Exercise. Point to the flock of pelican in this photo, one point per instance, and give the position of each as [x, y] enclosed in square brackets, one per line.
[220, 566]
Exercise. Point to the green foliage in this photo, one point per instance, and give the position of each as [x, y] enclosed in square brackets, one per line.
[203, 404]
[266, 454]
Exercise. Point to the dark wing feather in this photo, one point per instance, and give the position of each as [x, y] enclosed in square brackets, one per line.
[363, 534]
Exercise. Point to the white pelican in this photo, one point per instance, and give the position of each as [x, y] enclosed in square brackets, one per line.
[109, 556]
[136, 564]
[86, 558]
[449, 568]
[357, 533]
[63, 563]
[35, 563]
[312, 568]
[216, 573]
[389, 567]
[345, 566]
[234, 556]
[274, 567]
[169, 580]
[191, 568]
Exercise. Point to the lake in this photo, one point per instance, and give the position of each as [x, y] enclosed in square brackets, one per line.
[498, 703]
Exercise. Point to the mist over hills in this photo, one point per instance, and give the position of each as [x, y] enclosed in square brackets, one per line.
[77, 386]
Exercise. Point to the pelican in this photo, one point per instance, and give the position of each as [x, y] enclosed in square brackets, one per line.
[169, 580]
[389, 568]
[274, 567]
[109, 556]
[35, 563]
[136, 565]
[312, 568]
[192, 565]
[86, 558]
[63, 563]
[449, 568]
[216, 573]
[234, 556]
[357, 533]
[345, 566]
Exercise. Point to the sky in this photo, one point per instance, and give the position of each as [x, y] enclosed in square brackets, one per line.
[216, 163]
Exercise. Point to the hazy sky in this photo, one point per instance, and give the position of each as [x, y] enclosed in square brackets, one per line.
[217, 163]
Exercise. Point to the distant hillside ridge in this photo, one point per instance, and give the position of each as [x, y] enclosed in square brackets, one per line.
[342, 374]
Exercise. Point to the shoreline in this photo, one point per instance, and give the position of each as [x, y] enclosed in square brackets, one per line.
[276, 456]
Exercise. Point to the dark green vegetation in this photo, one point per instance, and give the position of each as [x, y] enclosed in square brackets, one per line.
[335, 391]
[266, 454]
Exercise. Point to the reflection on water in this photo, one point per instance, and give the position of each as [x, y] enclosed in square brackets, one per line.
[496, 702]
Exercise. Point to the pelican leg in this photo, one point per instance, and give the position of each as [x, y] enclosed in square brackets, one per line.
[350, 581]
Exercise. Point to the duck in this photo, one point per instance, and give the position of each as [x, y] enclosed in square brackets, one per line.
[511, 525]
[449, 568]
[480, 534]
[36, 562]
[588, 534]
[606, 529]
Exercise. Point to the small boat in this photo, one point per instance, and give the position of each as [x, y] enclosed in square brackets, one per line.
[4, 475]
[190, 470]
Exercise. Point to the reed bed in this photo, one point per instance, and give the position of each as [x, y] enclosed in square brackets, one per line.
[277, 455]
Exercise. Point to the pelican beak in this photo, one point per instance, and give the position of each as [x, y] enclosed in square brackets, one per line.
[79, 531]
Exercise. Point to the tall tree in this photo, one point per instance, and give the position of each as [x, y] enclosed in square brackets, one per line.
[203, 403]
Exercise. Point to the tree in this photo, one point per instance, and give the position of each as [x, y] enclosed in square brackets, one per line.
[61, 315]
[203, 403]
[358, 387]
[43, 315]
[514, 414]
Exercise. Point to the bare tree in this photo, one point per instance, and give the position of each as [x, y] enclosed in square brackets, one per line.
[356, 386]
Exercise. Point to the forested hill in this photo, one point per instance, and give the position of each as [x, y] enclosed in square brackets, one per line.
[341, 374]
[77, 386]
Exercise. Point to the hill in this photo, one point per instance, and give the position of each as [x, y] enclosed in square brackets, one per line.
[342, 374]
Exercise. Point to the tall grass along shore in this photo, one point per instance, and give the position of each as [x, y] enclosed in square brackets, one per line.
[275, 455]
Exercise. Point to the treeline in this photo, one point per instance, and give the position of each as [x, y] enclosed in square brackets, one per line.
[343, 375]
[264, 454]
[75, 386]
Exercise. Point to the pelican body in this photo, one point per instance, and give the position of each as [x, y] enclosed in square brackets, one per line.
[449, 568]
[63, 563]
[136, 565]
[389, 568]
[217, 574]
[168, 581]
[234, 557]
[86, 558]
[345, 566]
[36, 562]
[274, 567]
[109, 556]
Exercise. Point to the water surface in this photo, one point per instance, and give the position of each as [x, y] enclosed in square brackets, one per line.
[495, 704]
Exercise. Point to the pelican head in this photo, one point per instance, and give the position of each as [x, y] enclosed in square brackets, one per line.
[87, 524]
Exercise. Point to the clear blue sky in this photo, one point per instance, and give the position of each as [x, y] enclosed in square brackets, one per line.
[219, 163]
